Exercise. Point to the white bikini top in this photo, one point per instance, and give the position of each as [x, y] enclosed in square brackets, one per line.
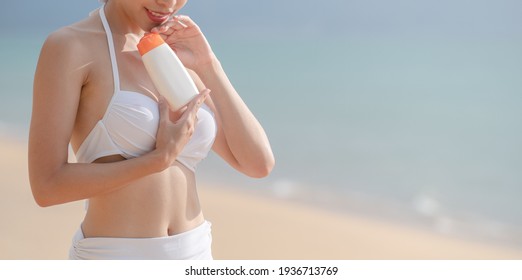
[130, 123]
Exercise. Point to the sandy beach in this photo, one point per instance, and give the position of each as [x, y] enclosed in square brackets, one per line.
[245, 226]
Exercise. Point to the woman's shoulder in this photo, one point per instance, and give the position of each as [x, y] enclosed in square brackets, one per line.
[76, 37]
[73, 46]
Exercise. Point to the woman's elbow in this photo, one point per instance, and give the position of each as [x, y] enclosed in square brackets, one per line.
[262, 167]
[41, 199]
[41, 194]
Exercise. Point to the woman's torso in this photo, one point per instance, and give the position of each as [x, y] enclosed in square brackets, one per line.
[160, 204]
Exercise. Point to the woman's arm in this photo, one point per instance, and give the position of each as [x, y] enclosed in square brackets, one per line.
[241, 140]
[61, 72]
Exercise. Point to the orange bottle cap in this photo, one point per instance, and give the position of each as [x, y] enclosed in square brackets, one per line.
[149, 42]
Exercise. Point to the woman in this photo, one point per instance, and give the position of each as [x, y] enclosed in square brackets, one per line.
[136, 157]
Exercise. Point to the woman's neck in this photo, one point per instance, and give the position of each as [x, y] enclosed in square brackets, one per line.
[120, 22]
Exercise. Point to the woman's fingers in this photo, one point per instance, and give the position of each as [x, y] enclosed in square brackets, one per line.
[194, 105]
[176, 23]
[164, 110]
[184, 21]
[190, 112]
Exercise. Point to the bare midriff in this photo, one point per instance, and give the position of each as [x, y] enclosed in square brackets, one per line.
[158, 205]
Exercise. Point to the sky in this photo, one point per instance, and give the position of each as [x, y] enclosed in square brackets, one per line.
[301, 18]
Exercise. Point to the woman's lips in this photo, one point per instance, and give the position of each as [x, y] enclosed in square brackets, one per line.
[157, 17]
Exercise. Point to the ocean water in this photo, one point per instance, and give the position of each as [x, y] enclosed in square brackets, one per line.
[423, 130]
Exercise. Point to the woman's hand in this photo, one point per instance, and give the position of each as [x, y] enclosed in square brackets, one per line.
[173, 134]
[240, 140]
[186, 39]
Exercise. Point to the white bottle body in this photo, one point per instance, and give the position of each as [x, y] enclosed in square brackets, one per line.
[169, 75]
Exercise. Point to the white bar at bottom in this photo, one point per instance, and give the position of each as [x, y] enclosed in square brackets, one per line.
[270, 269]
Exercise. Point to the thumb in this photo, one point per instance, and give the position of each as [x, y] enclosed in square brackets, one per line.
[163, 109]
[195, 104]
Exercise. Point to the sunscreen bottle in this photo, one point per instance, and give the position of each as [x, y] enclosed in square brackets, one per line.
[168, 74]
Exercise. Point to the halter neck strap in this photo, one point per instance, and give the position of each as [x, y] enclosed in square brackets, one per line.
[110, 42]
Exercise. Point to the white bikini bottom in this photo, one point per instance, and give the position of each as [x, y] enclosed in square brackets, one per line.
[194, 244]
